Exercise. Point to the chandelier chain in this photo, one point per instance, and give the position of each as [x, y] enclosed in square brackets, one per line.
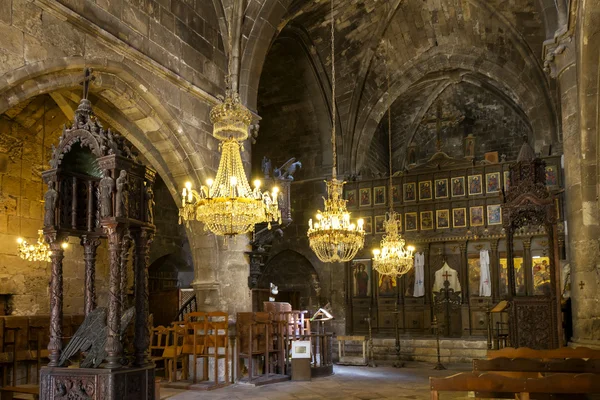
[333, 108]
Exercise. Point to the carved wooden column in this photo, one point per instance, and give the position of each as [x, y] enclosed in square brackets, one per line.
[113, 343]
[495, 270]
[427, 273]
[90, 245]
[124, 259]
[56, 299]
[464, 267]
[143, 239]
[510, 262]
[527, 266]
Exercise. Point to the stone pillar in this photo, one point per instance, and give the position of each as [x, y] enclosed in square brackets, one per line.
[143, 239]
[572, 58]
[113, 346]
[220, 271]
[90, 245]
[56, 299]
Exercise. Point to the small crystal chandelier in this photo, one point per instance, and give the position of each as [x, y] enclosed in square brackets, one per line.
[228, 206]
[333, 237]
[36, 252]
[393, 258]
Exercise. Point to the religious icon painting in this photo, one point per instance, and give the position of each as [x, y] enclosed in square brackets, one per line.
[396, 198]
[443, 219]
[368, 225]
[426, 220]
[458, 186]
[476, 216]
[410, 221]
[459, 217]
[379, 224]
[475, 186]
[441, 188]
[386, 285]
[351, 198]
[506, 180]
[379, 196]
[551, 175]
[365, 197]
[410, 191]
[425, 190]
[494, 214]
[361, 274]
[492, 182]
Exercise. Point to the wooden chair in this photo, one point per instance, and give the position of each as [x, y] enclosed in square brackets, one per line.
[159, 337]
[173, 353]
[215, 336]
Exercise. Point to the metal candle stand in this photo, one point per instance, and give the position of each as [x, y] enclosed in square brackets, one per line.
[439, 365]
[398, 363]
[371, 353]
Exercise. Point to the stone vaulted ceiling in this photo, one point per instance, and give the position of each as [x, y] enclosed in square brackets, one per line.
[493, 45]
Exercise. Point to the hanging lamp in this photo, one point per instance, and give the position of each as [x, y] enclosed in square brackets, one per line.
[227, 205]
[333, 237]
[39, 251]
[394, 257]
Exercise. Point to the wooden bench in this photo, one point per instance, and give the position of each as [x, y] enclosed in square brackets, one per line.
[8, 392]
[521, 364]
[521, 387]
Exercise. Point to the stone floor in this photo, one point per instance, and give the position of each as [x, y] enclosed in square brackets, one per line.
[348, 383]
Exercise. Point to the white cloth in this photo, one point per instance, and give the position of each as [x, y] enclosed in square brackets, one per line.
[438, 284]
[485, 284]
[419, 289]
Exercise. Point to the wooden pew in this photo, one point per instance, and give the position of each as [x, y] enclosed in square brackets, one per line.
[560, 353]
[522, 388]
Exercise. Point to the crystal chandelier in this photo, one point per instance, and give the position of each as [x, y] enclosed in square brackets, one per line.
[36, 252]
[228, 206]
[393, 258]
[333, 237]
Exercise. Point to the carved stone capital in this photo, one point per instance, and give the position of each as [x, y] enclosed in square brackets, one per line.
[558, 54]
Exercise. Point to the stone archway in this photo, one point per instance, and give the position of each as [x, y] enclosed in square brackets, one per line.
[296, 278]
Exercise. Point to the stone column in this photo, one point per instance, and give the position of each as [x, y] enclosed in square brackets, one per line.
[90, 245]
[143, 239]
[113, 347]
[56, 299]
[572, 58]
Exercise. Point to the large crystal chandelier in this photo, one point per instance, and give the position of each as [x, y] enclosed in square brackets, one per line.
[394, 258]
[228, 206]
[333, 237]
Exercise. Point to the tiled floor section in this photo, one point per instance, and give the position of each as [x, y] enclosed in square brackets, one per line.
[348, 383]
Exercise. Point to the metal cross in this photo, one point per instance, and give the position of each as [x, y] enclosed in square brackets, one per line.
[446, 275]
[440, 120]
[87, 78]
[581, 285]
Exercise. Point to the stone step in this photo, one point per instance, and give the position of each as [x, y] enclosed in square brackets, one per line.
[421, 349]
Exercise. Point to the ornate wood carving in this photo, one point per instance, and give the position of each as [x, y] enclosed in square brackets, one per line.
[113, 344]
[528, 202]
[143, 239]
[124, 260]
[90, 245]
[56, 297]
